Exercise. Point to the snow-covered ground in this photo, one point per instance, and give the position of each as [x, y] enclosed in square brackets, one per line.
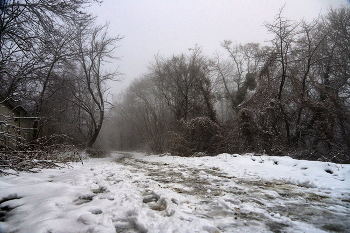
[132, 192]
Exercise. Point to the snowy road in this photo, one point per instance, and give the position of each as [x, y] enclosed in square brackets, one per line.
[137, 193]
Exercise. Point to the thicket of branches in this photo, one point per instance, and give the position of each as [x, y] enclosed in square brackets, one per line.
[52, 58]
[288, 98]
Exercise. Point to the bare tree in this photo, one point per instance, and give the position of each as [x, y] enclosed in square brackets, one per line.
[236, 75]
[34, 45]
[174, 91]
[56, 55]
[184, 82]
[285, 32]
[300, 104]
[26, 24]
[95, 49]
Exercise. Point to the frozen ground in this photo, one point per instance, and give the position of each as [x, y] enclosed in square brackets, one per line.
[132, 192]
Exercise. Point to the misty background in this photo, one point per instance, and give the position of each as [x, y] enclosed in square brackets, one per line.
[180, 77]
[170, 27]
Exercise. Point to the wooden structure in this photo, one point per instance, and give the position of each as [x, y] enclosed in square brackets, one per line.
[16, 126]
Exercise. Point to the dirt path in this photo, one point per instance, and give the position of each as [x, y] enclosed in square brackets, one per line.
[233, 203]
[133, 193]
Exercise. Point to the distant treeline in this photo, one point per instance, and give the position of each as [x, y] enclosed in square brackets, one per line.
[289, 98]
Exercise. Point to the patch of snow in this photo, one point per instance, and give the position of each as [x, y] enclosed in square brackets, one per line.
[132, 192]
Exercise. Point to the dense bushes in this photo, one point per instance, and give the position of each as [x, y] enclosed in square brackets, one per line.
[197, 135]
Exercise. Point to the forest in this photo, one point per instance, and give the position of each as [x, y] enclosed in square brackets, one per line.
[52, 68]
[289, 96]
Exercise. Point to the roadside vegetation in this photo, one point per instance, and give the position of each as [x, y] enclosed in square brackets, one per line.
[289, 96]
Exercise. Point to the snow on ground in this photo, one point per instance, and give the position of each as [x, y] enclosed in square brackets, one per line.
[132, 192]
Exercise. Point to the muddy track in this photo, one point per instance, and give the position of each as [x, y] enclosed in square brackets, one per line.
[244, 201]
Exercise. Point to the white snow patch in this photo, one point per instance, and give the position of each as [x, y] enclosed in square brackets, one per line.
[132, 192]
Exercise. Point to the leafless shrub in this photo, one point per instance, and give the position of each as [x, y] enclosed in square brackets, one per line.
[46, 152]
[197, 135]
[178, 145]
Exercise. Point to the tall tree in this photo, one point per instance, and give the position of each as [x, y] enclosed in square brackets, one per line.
[184, 81]
[285, 32]
[24, 26]
[94, 49]
[237, 74]
[35, 45]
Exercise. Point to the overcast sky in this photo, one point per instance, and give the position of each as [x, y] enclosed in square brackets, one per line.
[168, 27]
